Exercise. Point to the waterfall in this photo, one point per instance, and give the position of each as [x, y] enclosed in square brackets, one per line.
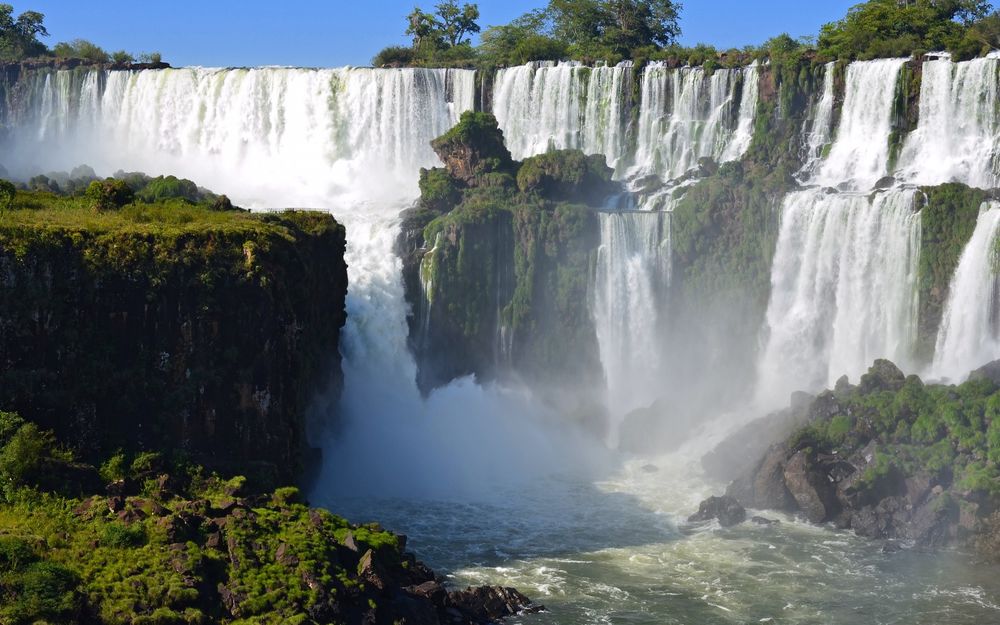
[820, 125]
[969, 336]
[860, 154]
[544, 106]
[843, 289]
[958, 135]
[631, 281]
[687, 114]
[260, 131]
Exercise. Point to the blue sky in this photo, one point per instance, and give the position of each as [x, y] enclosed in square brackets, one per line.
[327, 33]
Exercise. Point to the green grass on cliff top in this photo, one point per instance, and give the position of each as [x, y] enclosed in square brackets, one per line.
[36, 209]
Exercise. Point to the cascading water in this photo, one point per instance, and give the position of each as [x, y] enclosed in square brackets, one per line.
[958, 135]
[687, 114]
[860, 155]
[969, 336]
[843, 289]
[631, 282]
[543, 106]
[820, 126]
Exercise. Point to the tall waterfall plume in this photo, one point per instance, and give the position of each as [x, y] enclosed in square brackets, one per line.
[969, 336]
[843, 289]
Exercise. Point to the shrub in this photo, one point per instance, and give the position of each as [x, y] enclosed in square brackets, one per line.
[114, 469]
[7, 194]
[122, 57]
[109, 194]
[394, 56]
[164, 188]
[15, 555]
[81, 49]
[121, 536]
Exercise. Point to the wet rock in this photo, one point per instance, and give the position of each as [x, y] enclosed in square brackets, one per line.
[882, 376]
[886, 182]
[433, 591]
[759, 520]
[811, 489]
[726, 509]
[989, 372]
[887, 519]
[490, 603]
[843, 385]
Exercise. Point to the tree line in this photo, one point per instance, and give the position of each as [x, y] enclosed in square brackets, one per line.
[615, 30]
[20, 39]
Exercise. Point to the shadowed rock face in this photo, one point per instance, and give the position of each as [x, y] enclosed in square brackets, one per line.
[210, 341]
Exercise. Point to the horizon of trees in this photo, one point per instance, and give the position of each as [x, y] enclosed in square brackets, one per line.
[20, 39]
[615, 30]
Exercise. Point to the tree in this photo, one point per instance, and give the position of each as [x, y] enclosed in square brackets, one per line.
[615, 26]
[19, 37]
[457, 21]
[444, 29]
[880, 28]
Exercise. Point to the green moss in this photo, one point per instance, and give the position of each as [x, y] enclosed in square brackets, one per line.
[947, 222]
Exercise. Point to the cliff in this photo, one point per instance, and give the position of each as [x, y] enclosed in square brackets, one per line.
[497, 258]
[170, 327]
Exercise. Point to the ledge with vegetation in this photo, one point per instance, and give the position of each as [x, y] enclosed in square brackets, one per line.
[144, 320]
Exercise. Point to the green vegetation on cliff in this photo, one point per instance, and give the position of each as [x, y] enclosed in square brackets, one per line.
[169, 325]
[948, 219]
[166, 543]
[497, 259]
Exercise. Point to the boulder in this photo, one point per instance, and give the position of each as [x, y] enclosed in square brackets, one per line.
[989, 372]
[488, 604]
[726, 509]
[882, 376]
[812, 489]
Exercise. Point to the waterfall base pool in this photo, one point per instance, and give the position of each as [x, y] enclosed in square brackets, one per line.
[618, 551]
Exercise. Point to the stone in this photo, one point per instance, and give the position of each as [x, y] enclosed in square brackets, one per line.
[812, 491]
[726, 509]
[882, 376]
[370, 569]
[759, 520]
[990, 371]
[490, 603]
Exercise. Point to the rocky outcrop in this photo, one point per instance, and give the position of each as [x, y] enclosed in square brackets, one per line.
[726, 509]
[891, 459]
[205, 338]
[496, 265]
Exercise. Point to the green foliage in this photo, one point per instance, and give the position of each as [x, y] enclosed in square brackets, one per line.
[19, 37]
[122, 57]
[947, 222]
[29, 457]
[442, 34]
[438, 190]
[478, 134]
[109, 194]
[568, 175]
[81, 49]
[163, 188]
[120, 536]
[7, 194]
[888, 28]
[394, 56]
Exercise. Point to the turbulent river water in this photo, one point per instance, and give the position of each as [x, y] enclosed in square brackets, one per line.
[490, 487]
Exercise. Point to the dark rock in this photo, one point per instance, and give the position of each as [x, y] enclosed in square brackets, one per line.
[473, 147]
[882, 376]
[766, 488]
[759, 520]
[284, 556]
[726, 509]
[371, 570]
[213, 541]
[800, 400]
[843, 385]
[887, 519]
[989, 372]
[490, 603]
[811, 489]
[886, 182]
[433, 591]
[891, 546]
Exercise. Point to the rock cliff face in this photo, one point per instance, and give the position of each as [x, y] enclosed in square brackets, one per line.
[203, 338]
[891, 458]
[497, 257]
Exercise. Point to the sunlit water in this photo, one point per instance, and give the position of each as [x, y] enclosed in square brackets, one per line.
[618, 551]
